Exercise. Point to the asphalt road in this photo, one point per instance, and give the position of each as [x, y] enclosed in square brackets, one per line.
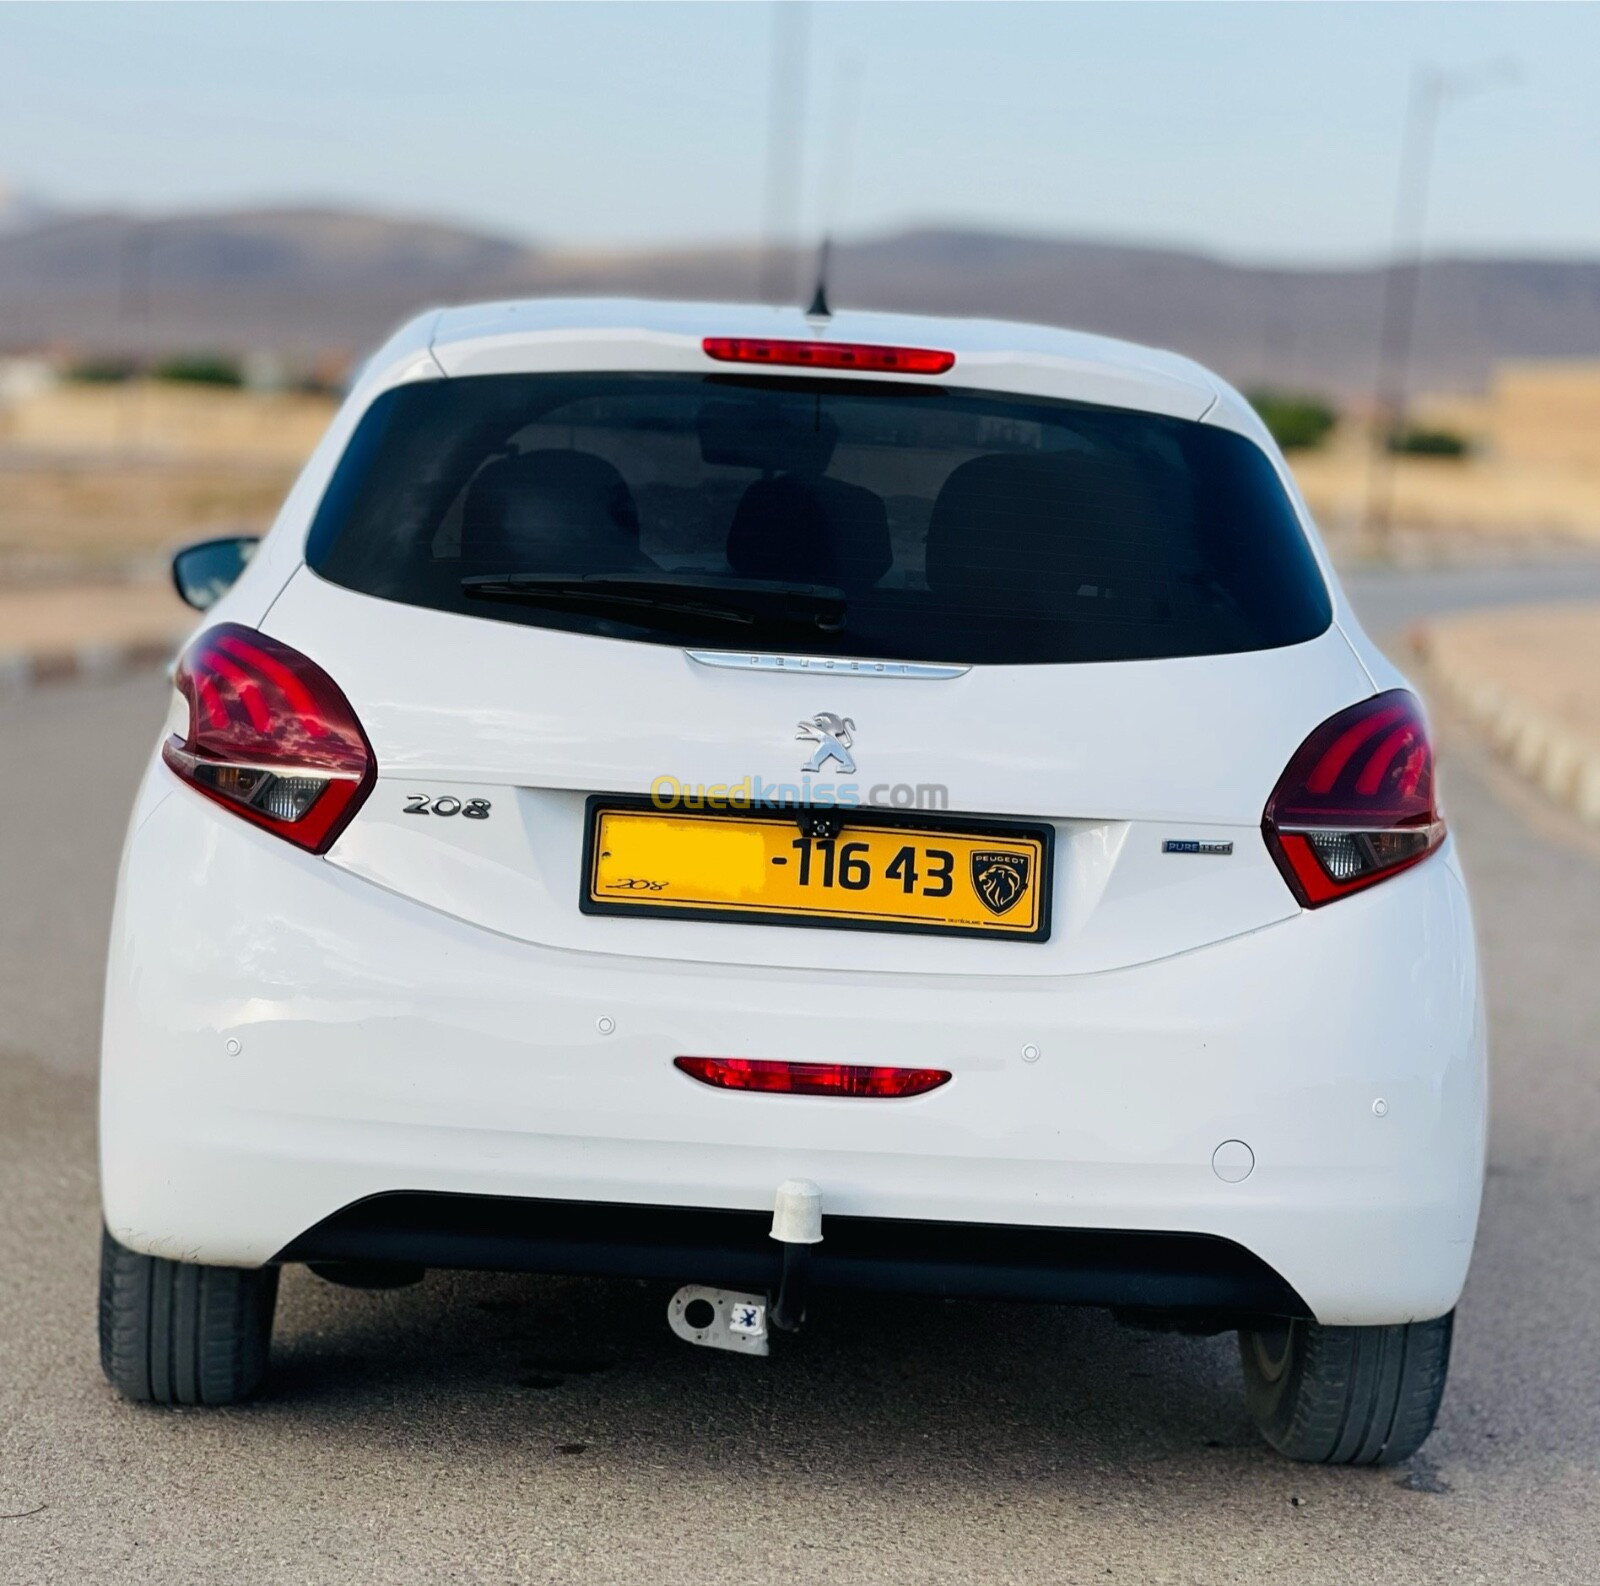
[518, 1429]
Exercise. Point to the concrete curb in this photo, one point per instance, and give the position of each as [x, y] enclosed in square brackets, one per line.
[1564, 764]
[21, 670]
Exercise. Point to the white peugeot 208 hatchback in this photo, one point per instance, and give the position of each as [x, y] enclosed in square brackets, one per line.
[788, 807]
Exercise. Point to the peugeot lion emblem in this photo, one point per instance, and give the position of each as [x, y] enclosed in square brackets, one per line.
[999, 879]
[831, 735]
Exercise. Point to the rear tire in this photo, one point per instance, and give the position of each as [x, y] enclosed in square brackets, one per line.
[172, 1332]
[1346, 1395]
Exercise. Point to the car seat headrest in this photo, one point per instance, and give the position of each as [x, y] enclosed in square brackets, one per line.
[810, 531]
[551, 510]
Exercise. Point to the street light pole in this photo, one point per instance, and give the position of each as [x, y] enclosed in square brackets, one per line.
[133, 325]
[786, 108]
[1431, 90]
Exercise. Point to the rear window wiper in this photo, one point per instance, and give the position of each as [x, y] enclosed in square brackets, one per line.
[734, 600]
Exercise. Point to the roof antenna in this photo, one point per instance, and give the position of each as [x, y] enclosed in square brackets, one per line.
[836, 181]
[819, 299]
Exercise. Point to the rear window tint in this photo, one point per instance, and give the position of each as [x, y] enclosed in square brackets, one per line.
[945, 525]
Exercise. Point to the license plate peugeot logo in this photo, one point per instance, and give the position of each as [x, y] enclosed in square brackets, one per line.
[999, 879]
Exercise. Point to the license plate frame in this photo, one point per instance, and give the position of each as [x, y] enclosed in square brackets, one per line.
[972, 830]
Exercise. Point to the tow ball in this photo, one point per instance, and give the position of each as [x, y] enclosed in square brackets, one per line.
[728, 1319]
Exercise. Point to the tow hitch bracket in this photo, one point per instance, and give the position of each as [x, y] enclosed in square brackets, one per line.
[720, 1318]
[726, 1319]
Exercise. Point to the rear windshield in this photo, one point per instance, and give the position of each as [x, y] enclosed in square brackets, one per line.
[883, 521]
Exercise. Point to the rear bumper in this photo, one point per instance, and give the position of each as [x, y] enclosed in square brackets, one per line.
[1192, 1274]
[284, 1041]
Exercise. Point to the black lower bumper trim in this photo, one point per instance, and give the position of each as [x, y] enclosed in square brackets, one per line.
[1166, 1272]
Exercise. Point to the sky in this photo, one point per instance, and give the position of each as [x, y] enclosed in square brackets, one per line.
[1258, 131]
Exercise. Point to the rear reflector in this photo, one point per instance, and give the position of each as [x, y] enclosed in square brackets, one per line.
[270, 737]
[1356, 804]
[811, 1079]
[860, 356]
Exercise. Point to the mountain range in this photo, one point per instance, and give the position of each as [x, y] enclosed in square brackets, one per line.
[306, 282]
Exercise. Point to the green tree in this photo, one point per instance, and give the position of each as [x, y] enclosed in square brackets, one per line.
[103, 371]
[1418, 440]
[1298, 422]
[201, 369]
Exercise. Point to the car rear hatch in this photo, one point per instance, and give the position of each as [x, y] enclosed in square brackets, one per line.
[1071, 647]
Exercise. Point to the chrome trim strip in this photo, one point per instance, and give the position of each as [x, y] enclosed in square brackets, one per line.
[823, 665]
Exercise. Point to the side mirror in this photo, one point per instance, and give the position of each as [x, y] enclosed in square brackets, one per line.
[203, 573]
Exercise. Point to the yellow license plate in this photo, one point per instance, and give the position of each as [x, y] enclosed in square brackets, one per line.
[872, 875]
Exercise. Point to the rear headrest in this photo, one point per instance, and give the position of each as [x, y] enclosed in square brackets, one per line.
[810, 531]
[1030, 530]
[550, 511]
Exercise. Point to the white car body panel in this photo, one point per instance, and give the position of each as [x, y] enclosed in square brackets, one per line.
[480, 709]
[525, 338]
[418, 1009]
[385, 1046]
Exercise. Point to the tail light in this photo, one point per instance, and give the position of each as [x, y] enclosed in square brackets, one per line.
[270, 737]
[856, 355]
[811, 1079]
[1357, 804]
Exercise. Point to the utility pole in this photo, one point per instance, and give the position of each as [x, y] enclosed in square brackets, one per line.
[1431, 91]
[133, 325]
[786, 108]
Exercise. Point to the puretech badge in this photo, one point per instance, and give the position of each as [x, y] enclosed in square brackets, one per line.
[999, 878]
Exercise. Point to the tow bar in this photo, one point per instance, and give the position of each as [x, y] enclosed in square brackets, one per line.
[727, 1319]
